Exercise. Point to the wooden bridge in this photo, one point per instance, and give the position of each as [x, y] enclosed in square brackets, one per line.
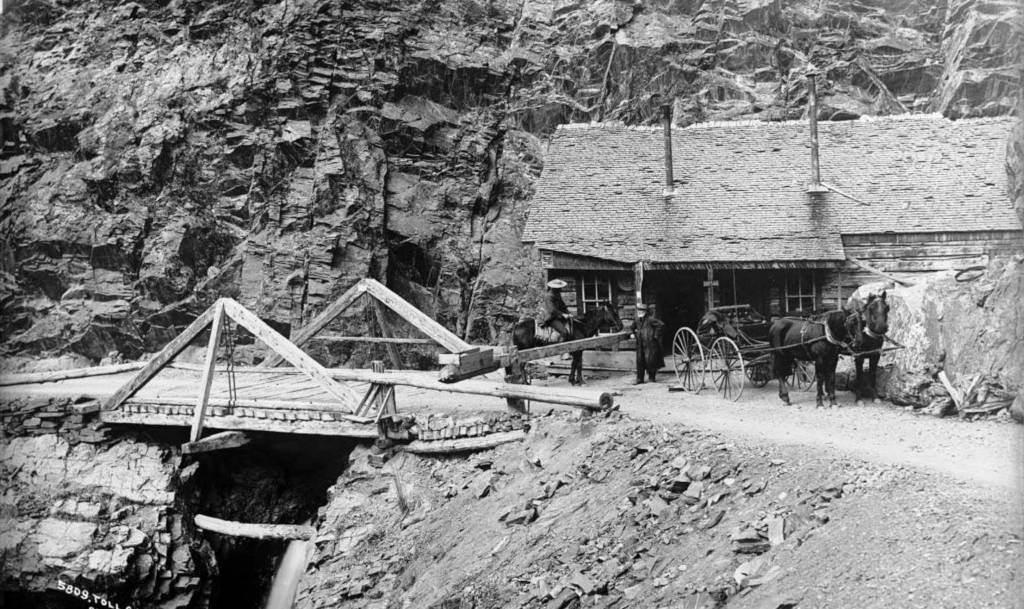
[304, 397]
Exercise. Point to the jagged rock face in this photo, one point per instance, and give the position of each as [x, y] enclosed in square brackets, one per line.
[158, 156]
[102, 518]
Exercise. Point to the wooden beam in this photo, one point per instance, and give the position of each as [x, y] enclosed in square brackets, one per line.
[458, 445]
[160, 360]
[385, 329]
[218, 441]
[337, 338]
[295, 356]
[255, 531]
[568, 396]
[328, 407]
[30, 378]
[318, 323]
[414, 316]
[526, 355]
[875, 271]
[339, 429]
[208, 371]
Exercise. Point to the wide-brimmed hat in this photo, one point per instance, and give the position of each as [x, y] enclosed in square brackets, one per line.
[557, 284]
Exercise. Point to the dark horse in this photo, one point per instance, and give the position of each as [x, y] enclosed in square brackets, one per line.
[814, 341]
[524, 336]
[875, 317]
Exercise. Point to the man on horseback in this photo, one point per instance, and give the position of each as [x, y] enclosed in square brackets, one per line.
[556, 312]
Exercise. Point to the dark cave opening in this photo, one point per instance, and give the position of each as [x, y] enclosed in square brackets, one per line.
[276, 479]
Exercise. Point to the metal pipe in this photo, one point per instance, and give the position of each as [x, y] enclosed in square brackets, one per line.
[666, 119]
[812, 113]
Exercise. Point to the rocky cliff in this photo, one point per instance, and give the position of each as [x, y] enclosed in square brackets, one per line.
[158, 155]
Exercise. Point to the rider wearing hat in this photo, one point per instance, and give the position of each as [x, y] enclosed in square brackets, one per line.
[557, 314]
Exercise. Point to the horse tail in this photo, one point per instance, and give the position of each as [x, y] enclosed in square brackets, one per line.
[781, 361]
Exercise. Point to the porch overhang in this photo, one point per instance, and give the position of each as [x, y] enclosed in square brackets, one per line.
[553, 259]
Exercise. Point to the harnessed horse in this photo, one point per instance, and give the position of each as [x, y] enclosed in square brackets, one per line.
[875, 316]
[527, 335]
[819, 342]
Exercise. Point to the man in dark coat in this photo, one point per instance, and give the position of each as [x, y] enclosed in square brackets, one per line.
[647, 330]
[555, 311]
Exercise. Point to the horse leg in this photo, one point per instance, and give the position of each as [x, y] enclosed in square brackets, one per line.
[577, 367]
[830, 379]
[780, 367]
[858, 387]
[872, 376]
[819, 378]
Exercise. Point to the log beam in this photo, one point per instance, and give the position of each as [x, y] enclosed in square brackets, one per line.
[255, 531]
[525, 355]
[458, 445]
[208, 372]
[218, 441]
[31, 378]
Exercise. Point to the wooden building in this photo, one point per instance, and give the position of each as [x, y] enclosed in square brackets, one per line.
[744, 222]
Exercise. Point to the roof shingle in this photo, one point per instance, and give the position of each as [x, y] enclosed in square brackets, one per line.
[740, 188]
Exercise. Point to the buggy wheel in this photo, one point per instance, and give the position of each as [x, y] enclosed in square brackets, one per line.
[688, 360]
[802, 378]
[759, 371]
[727, 368]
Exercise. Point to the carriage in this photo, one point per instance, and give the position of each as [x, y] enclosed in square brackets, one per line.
[729, 352]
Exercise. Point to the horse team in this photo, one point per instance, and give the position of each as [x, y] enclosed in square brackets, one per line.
[858, 330]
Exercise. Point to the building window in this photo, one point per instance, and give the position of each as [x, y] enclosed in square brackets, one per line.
[799, 292]
[595, 291]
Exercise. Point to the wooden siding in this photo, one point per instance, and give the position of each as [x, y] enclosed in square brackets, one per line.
[909, 255]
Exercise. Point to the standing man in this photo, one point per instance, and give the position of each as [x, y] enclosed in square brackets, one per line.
[647, 330]
[557, 314]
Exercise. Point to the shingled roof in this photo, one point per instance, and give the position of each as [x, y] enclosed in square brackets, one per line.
[741, 188]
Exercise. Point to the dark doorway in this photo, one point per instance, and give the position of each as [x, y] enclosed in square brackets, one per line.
[678, 298]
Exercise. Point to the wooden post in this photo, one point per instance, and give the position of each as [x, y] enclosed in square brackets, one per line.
[385, 329]
[208, 371]
[295, 356]
[160, 360]
[638, 279]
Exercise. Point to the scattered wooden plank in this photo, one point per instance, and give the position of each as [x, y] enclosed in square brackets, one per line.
[874, 271]
[953, 391]
[318, 323]
[208, 371]
[31, 378]
[173, 348]
[295, 356]
[464, 444]
[255, 531]
[218, 441]
[420, 320]
[86, 407]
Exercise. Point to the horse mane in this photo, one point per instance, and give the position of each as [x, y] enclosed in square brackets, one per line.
[836, 322]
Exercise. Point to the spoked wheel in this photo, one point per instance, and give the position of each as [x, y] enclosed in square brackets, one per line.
[727, 369]
[802, 378]
[759, 371]
[688, 360]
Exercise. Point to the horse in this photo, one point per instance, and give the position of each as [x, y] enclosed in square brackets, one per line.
[875, 317]
[525, 335]
[814, 341]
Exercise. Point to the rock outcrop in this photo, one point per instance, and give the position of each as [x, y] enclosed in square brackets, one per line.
[156, 156]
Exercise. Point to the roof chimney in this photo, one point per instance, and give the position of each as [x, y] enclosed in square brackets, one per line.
[812, 114]
[666, 120]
